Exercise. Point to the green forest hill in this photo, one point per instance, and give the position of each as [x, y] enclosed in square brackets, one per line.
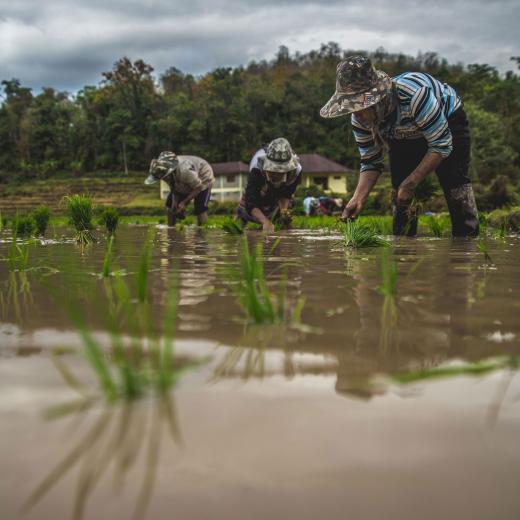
[89, 141]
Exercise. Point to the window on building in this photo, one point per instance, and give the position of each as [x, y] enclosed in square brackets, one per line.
[337, 177]
[230, 179]
[322, 182]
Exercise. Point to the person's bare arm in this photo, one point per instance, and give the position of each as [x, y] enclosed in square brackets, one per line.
[182, 205]
[267, 225]
[367, 180]
[407, 188]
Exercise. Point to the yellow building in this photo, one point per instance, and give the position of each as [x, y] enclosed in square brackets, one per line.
[330, 176]
[231, 177]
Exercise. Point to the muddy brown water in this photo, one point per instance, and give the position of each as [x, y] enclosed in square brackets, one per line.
[303, 421]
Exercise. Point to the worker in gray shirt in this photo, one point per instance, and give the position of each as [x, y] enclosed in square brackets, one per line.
[189, 178]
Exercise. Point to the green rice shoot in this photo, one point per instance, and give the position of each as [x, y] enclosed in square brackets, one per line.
[249, 284]
[107, 261]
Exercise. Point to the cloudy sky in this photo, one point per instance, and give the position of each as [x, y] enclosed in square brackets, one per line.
[66, 44]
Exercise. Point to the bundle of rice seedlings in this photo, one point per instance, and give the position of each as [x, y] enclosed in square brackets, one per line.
[110, 219]
[41, 216]
[79, 208]
[358, 235]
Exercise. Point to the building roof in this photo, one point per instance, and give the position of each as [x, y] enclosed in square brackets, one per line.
[315, 163]
[227, 168]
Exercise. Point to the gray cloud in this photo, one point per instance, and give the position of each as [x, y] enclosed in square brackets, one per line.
[67, 44]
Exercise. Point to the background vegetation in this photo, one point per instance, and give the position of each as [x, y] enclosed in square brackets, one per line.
[130, 116]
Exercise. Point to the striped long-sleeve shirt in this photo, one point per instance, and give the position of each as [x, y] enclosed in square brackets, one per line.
[423, 107]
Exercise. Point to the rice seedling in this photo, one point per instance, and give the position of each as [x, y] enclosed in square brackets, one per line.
[17, 254]
[249, 284]
[356, 235]
[483, 247]
[232, 226]
[501, 232]
[437, 224]
[107, 261]
[79, 209]
[24, 225]
[380, 225]
[483, 220]
[321, 222]
[110, 219]
[41, 216]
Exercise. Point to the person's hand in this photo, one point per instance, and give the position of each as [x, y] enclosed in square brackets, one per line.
[268, 226]
[180, 207]
[405, 192]
[352, 209]
[285, 217]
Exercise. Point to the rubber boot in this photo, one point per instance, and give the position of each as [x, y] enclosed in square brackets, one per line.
[405, 217]
[463, 211]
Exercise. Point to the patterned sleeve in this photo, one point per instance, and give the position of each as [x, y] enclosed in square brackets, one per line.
[371, 152]
[429, 117]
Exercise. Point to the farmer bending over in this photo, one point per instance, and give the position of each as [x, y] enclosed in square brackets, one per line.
[423, 124]
[189, 178]
[274, 174]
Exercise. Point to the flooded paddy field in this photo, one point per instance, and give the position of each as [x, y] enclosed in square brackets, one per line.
[382, 383]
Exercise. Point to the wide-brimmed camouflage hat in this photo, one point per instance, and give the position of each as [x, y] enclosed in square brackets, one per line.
[279, 157]
[358, 85]
[161, 167]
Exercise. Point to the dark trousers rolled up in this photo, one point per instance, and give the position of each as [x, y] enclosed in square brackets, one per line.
[405, 156]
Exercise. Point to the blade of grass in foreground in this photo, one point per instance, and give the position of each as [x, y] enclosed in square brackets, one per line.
[472, 369]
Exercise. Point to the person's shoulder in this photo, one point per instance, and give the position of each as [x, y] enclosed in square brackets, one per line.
[408, 84]
[256, 161]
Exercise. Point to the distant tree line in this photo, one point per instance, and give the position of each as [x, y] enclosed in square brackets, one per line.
[226, 114]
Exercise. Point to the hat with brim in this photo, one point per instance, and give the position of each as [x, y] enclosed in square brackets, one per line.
[358, 86]
[161, 167]
[269, 165]
[150, 180]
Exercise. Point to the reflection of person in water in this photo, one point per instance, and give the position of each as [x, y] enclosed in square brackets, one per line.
[424, 324]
